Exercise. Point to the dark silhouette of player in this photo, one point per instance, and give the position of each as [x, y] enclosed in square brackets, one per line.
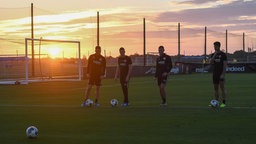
[163, 67]
[219, 61]
[95, 72]
[124, 69]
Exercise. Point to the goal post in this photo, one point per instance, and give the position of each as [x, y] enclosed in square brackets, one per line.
[54, 60]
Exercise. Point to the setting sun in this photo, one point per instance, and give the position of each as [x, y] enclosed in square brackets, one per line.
[54, 52]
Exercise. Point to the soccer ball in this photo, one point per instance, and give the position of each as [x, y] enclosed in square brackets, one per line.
[214, 103]
[31, 132]
[114, 102]
[88, 102]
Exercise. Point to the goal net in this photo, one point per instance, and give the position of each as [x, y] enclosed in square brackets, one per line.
[50, 60]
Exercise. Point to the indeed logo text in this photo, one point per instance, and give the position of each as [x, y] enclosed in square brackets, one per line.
[235, 69]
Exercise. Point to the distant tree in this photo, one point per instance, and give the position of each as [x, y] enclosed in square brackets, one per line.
[240, 54]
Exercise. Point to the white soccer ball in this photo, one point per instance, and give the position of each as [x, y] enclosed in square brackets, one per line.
[214, 103]
[89, 102]
[114, 102]
[32, 132]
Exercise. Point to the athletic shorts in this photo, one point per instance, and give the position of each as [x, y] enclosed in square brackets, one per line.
[123, 80]
[95, 81]
[161, 80]
[216, 79]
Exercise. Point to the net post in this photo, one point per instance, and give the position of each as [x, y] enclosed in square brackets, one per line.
[26, 60]
[79, 62]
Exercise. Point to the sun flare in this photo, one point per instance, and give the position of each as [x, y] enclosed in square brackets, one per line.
[54, 52]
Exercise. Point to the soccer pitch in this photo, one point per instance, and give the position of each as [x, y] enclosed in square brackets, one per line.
[54, 108]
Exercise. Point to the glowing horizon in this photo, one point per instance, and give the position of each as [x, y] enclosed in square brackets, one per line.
[121, 25]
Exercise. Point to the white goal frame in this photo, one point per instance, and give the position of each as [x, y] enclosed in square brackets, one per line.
[57, 41]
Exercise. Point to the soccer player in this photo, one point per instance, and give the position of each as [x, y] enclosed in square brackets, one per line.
[163, 67]
[95, 72]
[124, 69]
[219, 61]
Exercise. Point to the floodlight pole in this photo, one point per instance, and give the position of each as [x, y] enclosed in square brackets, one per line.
[144, 40]
[205, 42]
[32, 41]
[178, 41]
[226, 41]
[98, 29]
[243, 42]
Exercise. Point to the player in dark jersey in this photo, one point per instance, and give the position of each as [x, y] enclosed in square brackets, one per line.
[124, 69]
[219, 61]
[95, 72]
[163, 67]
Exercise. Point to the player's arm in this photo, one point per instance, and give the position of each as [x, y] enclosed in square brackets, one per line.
[89, 67]
[129, 72]
[168, 66]
[156, 74]
[103, 71]
[129, 69]
[212, 58]
[225, 63]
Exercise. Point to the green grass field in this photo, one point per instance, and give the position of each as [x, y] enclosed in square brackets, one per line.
[54, 108]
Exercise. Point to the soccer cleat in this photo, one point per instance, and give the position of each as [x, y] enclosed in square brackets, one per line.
[163, 104]
[222, 105]
[83, 104]
[96, 104]
[124, 104]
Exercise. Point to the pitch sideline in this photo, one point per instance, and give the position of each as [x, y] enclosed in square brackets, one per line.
[132, 106]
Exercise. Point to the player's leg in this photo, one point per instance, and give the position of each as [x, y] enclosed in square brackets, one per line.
[97, 91]
[124, 86]
[87, 94]
[125, 91]
[223, 93]
[216, 83]
[88, 88]
[162, 93]
[97, 95]
[216, 91]
[162, 86]
[159, 83]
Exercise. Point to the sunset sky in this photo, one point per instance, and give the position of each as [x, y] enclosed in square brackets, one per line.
[122, 24]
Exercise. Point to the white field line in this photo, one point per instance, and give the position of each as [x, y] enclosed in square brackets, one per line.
[132, 106]
[116, 85]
